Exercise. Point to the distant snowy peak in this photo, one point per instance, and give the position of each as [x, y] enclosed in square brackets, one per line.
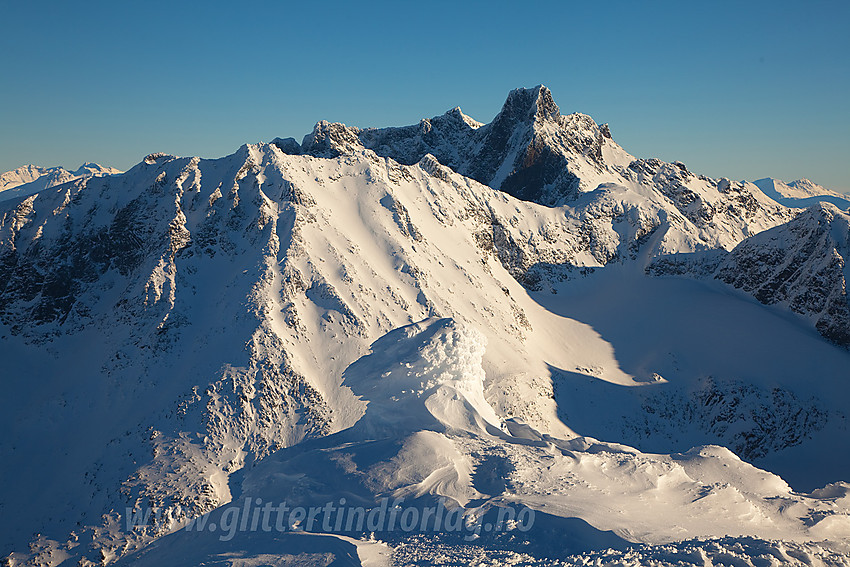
[808, 187]
[801, 193]
[90, 168]
[21, 175]
[30, 179]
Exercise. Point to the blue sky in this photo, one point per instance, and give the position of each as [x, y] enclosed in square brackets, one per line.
[737, 89]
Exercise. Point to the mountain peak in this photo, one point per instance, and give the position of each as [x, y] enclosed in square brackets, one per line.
[457, 114]
[801, 193]
[330, 139]
[530, 104]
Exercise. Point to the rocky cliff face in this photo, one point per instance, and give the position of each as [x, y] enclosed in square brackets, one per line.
[801, 266]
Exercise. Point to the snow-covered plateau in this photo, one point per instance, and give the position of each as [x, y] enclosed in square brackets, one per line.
[452, 343]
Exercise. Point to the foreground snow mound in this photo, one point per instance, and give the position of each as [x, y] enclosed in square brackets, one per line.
[740, 552]
[423, 376]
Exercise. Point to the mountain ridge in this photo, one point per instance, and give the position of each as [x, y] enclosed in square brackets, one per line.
[801, 193]
[200, 317]
[29, 179]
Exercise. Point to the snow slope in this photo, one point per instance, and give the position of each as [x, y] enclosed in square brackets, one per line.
[29, 179]
[194, 331]
[428, 433]
[801, 193]
[166, 384]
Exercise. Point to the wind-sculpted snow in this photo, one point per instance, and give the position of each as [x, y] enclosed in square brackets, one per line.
[424, 365]
[742, 552]
[428, 438]
[358, 316]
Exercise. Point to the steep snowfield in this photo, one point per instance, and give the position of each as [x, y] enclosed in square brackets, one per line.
[195, 331]
[801, 193]
[30, 179]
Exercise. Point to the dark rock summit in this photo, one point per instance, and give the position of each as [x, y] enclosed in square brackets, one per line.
[529, 150]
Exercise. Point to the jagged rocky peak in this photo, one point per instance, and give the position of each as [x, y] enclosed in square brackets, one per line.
[529, 104]
[529, 150]
[158, 157]
[288, 146]
[457, 115]
[330, 140]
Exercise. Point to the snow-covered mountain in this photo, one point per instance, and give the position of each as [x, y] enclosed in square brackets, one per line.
[801, 193]
[30, 179]
[800, 265]
[533, 152]
[360, 317]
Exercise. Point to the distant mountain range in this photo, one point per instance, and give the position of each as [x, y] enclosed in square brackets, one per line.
[30, 179]
[801, 194]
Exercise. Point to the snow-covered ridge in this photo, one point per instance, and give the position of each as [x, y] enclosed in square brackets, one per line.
[30, 179]
[800, 265]
[801, 193]
[194, 330]
[533, 152]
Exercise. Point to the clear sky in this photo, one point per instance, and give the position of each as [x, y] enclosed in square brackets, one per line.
[736, 89]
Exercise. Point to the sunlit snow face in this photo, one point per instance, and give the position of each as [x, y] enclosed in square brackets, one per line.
[424, 375]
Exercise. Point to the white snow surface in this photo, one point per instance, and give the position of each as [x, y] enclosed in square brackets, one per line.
[291, 327]
[30, 179]
[422, 435]
[801, 193]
